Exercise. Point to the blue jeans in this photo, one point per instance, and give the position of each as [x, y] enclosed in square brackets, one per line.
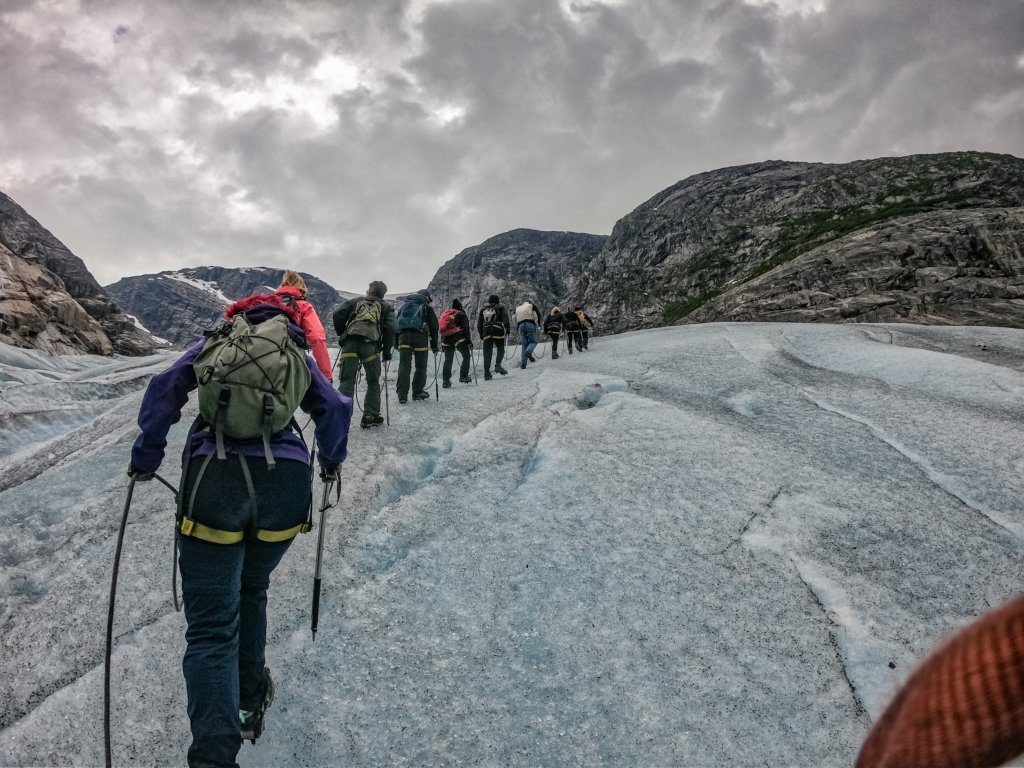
[528, 340]
[224, 589]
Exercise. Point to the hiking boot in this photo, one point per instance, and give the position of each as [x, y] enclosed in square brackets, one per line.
[420, 396]
[371, 421]
[522, 365]
[250, 722]
[487, 376]
[446, 385]
[403, 400]
[531, 358]
[465, 380]
[499, 369]
[554, 355]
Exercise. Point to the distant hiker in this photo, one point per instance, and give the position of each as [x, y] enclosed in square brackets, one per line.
[453, 325]
[417, 331]
[553, 328]
[366, 331]
[245, 494]
[573, 328]
[527, 323]
[293, 291]
[584, 335]
[492, 324]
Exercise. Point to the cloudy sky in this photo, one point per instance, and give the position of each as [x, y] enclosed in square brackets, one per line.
[366, 139]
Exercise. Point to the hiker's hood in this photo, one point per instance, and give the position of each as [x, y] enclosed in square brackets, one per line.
[262, 306]
[291, 290]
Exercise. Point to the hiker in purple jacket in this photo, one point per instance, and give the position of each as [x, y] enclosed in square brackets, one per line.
[237, 517]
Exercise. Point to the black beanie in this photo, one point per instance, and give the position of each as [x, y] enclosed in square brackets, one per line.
[493, 299]
[456, 304]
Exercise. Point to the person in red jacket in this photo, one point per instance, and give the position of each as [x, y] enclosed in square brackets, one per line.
[293, 291]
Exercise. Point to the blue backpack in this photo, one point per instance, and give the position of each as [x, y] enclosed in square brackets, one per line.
[410, 316]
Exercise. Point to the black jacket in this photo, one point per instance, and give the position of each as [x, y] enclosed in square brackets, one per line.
[389, 326]
[502, 321]
[553, 323]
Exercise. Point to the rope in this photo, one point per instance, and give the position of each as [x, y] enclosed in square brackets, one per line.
[537, 353]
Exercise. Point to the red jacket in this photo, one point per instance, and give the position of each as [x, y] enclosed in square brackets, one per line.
[312, 327]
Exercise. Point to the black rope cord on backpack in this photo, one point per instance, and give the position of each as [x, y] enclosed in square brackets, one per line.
[255, 361]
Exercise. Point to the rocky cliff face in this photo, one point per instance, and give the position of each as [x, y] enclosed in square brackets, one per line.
[36, 312]
[927, 238]
[178, 306]
[42, 280]
[514, 265]
[939, 268]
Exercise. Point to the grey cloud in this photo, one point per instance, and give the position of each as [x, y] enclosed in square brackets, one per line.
[571, 118]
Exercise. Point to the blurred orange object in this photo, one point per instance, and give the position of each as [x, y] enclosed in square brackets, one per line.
[964, 707]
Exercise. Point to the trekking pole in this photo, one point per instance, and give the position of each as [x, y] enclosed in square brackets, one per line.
[472, 354]
[110, 624]
[324, 506]
[437, 396]
[387, 409]
[110, 610]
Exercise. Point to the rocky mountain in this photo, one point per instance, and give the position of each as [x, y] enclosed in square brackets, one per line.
[925, 238]
[514, 265]
[48, 298]
[178, 306]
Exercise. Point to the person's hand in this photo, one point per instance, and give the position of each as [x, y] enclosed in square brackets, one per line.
[140, 475]
[434, 350]
[386, 357]
[330, 472]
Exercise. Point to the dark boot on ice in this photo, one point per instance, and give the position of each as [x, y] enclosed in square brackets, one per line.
[251, 721]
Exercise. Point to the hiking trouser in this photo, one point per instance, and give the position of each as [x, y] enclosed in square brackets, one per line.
[527, 340]
[554, 342]
[575, 339]
[357, 349]
[412, 346]
[496, 346]
[585, 337]
[224, 590]
[449, 355]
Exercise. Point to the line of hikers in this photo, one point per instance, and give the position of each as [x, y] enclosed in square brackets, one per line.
[369, 328]
[246, 481]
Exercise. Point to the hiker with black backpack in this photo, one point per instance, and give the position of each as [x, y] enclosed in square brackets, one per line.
[527, 323]
[366, 331]
[417, 332]
[245, 493]
[453, 326]
[573, 329]
[553, 328]
[492, 324]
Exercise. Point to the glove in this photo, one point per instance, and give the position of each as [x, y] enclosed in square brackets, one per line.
[386, 357]
[139, 475]
[330, 472]
[434, 350]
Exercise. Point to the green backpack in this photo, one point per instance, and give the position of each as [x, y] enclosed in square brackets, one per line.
[251, 380]
[365, 320]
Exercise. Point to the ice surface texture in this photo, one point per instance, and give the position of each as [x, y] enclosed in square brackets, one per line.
[704, 545]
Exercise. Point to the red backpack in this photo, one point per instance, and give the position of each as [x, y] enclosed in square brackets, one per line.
[448, 324]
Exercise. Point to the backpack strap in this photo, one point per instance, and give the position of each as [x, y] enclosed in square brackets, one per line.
[268, 413]
[218, 421]
[253, 504]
